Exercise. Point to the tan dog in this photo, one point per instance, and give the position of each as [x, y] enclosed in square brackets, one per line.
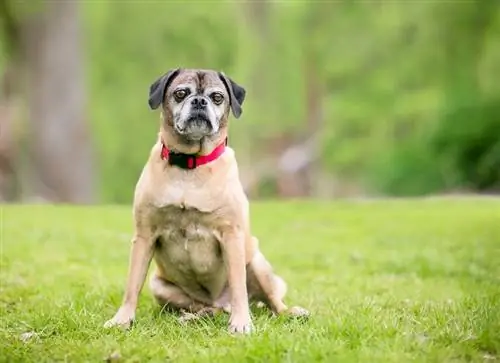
[191, 213]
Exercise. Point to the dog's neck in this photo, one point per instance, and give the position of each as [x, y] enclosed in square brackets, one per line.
[202, 147]
[191, 156]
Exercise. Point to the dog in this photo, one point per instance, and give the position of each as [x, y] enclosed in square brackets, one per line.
[191, 214]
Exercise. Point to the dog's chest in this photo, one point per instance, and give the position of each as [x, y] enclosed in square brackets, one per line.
[185, 194]
[188, 250]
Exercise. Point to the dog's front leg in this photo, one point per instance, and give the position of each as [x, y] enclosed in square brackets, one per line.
[233, 244]
[140, 257]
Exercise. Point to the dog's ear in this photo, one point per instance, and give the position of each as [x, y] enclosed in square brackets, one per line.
[236, 94]
[158, 88]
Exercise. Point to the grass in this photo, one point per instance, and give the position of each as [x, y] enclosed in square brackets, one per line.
[386, 281]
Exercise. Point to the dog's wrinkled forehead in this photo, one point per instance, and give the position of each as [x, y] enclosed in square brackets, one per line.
[199, 80]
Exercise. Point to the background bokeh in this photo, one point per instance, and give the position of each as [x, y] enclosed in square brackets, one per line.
[344, 98]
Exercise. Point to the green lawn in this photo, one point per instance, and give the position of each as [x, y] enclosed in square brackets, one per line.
[386, 281]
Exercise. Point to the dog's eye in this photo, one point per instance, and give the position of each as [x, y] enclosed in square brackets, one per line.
[217, 98]
[180, 95]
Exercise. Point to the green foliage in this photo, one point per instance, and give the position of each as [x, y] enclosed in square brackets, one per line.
[395, 79]
[398, 121]
[408, 170]
[467, 142]
[407, 87]
[424, 288]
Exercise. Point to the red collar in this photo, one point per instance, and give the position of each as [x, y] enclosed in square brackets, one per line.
[190, 161]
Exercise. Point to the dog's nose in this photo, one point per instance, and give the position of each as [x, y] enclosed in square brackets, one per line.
[199, 103]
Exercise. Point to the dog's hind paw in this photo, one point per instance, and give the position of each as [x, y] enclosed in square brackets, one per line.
[297, 312]
[187, 317]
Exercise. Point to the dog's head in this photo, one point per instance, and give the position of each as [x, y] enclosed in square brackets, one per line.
[195, 102]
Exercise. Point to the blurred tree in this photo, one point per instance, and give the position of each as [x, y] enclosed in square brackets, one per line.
[288, 85]
[46, 43]
[8, 171]
[8, 90]
[60, 143]
[258, 16]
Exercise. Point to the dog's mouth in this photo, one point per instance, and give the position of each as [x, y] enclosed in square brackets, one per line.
[198, 120]
[196, 126]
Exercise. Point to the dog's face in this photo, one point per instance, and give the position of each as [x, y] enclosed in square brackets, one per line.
[196, 103]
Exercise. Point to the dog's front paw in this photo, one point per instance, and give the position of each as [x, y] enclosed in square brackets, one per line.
[123, 318]
[240, 324]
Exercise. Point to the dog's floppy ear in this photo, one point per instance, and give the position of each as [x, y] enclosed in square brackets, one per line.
[158, 88]
[236, 94]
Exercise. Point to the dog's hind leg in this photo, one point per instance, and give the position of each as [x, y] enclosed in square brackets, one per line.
[168, 294]
[265, 286]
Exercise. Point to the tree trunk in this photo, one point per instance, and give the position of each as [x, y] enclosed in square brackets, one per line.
[258, 15]
[8, 150]
[9, 171]
[315, 118]
[302, 182]
[60, 149]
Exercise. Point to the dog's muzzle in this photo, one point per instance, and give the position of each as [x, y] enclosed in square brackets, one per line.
[196, 123]
[196, 126]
